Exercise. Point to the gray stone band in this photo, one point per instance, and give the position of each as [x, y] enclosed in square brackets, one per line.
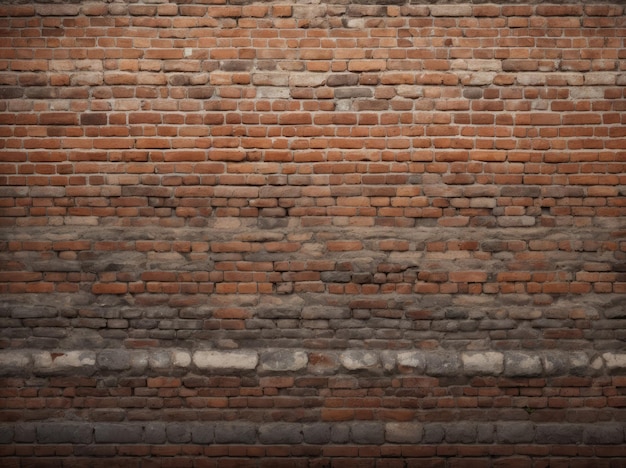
[361, 432]
[433, 363]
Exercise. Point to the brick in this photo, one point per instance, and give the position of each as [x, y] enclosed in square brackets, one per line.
[344, 246]
[241, 222]
[451, 10]
[57, 10]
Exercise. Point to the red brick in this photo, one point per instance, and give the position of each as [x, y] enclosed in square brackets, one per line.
[344, 246]
[109, 288]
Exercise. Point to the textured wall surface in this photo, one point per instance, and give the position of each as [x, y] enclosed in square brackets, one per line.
[312, 234]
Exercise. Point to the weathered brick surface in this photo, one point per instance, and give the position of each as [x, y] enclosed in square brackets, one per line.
[238, 233]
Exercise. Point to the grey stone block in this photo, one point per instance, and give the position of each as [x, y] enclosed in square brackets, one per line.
[368, 433]
[340, 434]
[12, 361]
[359, 359]
[25, 433]
[461, 433]
[159, 359]
[6, 434]
[236, 359]
[412, 359]
[280, 433]
[118, 433]
[154, 433]
[485, 433]
[443, 364]
[433, 434]
[203, 433]
[559, 434]
[64, 433]
[555, 363]
[316, 433]
[578, 363]
[283, 360]
[515, 432]
[404, 432]
[235, 433]
[521, 364]
[178, 433]
[478, 363]
[610, 433]
[113, 359]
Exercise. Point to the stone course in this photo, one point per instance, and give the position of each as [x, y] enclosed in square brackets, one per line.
[475, 363]
[361, 433]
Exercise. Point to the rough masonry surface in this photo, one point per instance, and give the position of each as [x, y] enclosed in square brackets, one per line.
[306, 234]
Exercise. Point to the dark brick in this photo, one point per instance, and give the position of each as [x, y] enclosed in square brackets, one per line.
[8, 92]
[345, 79]
[96, 118]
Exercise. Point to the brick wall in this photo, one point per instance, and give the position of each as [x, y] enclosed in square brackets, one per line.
[331, 234]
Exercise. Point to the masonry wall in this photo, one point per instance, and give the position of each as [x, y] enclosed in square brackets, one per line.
[332, 234]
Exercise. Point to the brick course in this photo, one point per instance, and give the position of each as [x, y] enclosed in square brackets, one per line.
[267, 234]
